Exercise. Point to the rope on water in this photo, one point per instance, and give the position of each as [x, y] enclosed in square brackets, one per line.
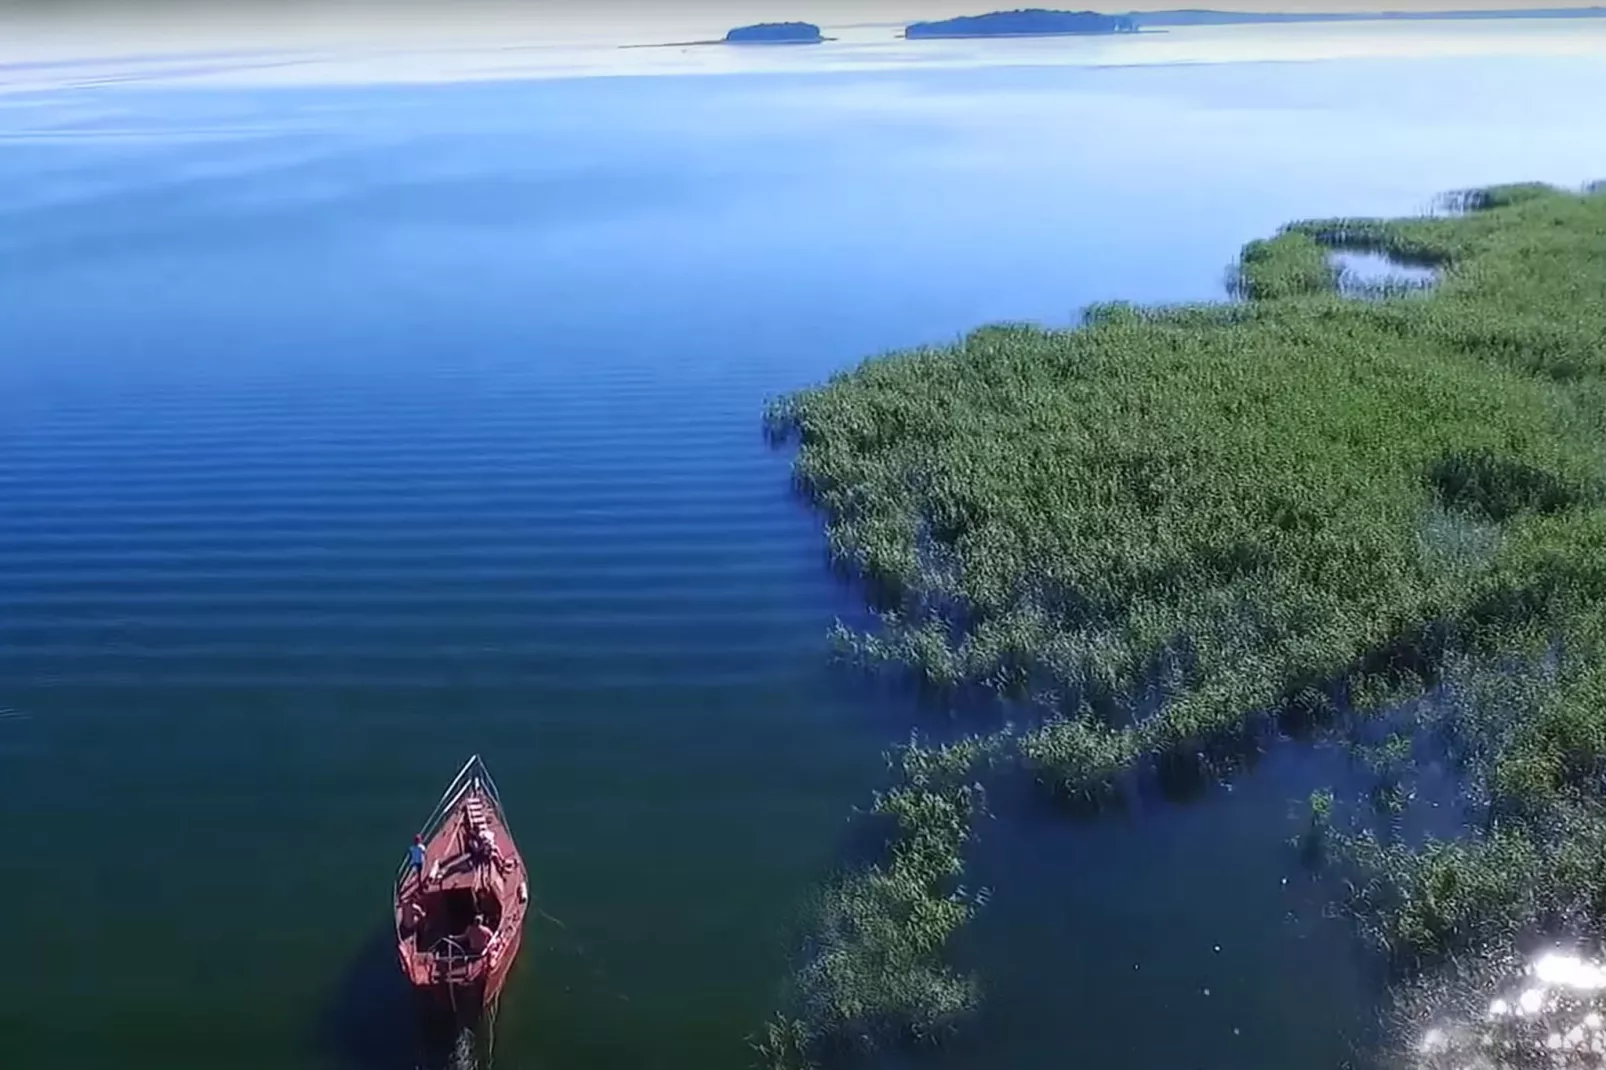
[579, 949]
[490, 1032]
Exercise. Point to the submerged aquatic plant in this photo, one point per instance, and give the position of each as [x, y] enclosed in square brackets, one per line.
[1526, 731]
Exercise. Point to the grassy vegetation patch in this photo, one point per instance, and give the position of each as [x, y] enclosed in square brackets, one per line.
[1256, 501]
[1170, 528]
[874, 968]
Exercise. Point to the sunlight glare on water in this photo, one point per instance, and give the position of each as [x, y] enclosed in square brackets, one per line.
[1549, 1014]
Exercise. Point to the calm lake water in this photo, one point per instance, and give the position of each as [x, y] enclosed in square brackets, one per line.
[347, 431]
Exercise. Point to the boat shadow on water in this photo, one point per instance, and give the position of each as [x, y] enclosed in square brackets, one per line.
[373, 1021]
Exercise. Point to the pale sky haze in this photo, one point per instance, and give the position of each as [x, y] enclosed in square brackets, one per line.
[34, 31]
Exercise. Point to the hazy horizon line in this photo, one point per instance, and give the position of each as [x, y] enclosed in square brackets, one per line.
[56, 31]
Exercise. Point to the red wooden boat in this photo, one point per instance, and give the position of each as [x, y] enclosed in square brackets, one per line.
[458, 928]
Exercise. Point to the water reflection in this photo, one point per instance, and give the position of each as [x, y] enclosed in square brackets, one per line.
[1547, 1014]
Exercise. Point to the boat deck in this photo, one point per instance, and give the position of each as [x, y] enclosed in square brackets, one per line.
[456, 870]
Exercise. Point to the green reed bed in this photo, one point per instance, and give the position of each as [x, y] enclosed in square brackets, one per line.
[874, 967]
[1178, 518]
[1167, 527]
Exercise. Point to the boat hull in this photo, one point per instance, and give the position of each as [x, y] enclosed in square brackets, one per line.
[473, 881]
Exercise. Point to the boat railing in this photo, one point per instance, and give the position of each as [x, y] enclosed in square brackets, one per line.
[472, 775]
[448, 959]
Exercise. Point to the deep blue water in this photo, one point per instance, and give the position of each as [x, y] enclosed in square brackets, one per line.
[345, 432]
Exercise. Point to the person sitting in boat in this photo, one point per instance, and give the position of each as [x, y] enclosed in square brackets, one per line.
[479, 935]
[415, 858]
[412, 917]
[482, 847]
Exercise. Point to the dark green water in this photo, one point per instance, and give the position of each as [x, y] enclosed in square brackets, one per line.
[346, 432]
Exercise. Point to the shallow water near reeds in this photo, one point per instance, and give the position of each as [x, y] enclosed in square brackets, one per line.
[347, 431]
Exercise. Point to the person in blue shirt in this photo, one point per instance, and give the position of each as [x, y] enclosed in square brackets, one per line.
[415, 858]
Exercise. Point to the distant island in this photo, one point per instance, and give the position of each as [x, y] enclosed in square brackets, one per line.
[775, 33]
[1031, 22]
[762, 33]
[1042, 22]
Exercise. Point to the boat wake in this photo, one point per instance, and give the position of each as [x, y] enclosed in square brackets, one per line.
[471, 1051]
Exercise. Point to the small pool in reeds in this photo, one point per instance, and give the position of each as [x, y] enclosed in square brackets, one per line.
[1366, 272]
